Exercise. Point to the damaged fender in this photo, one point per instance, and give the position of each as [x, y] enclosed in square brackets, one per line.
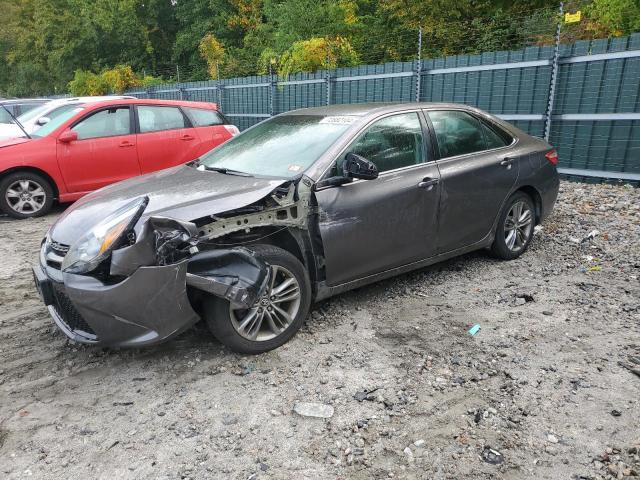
[234, 274]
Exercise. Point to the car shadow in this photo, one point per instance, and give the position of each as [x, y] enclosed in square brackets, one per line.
[56, 210]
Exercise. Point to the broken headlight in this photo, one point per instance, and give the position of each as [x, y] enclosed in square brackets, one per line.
[96, 245]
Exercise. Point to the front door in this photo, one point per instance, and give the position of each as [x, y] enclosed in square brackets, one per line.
[477, 176]
[105, 151]
[369, 226]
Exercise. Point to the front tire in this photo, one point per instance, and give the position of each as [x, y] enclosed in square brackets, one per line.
[275, 318]
[515, 227]
[25, 195]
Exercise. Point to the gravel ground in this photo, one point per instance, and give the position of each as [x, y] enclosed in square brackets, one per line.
[540, 392]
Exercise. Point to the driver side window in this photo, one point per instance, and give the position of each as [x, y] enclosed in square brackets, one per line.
[109, 122]
[390, 143]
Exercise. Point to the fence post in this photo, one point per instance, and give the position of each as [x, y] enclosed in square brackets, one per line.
[554, 77]
[419, 65]
[272, 90]
[327, 81]
[219, 87]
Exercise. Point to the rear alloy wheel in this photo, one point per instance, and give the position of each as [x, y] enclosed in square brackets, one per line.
[25, 195]
[275, 317]
[515, 227]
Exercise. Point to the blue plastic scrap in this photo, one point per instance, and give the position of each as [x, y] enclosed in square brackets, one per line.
[474, 330]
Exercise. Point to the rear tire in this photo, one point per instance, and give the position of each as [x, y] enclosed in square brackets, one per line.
[515, 227]
[25, 195]
[275, 318]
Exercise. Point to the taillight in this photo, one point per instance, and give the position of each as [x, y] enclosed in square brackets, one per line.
[232, 129]
[552, 156]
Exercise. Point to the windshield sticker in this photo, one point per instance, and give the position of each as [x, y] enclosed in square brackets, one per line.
[295, 168]
[338, 120]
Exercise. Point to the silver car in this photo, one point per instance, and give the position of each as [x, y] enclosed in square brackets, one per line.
[300, 207]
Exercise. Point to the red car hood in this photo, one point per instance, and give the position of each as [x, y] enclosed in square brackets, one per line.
[12, 141]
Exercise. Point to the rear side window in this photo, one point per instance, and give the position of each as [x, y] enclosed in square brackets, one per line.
[494, 138]
[204, 118]
[457, 133]
[156, 119]
[105, 123]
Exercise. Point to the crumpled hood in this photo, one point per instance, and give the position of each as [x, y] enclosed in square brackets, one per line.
[182, 192]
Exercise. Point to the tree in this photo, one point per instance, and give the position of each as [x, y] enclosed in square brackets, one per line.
[115, 80]
[614, 17]
[316, 54]
[213, 52]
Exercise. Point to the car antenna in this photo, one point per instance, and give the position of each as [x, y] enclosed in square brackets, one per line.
[15, 120]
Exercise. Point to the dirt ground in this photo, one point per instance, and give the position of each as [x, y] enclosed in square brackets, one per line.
[540, 392]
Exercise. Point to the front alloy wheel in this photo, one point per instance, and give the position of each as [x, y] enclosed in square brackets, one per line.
[274, 312]
[275, 317]
[25, 195]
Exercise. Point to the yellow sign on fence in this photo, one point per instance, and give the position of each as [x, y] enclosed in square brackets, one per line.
[572, 17]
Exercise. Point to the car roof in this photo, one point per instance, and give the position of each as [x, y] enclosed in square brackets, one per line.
[74, 100]
[365, 109]
[153, 101]
[18, 101]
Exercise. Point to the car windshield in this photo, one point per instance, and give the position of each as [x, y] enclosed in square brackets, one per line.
[56, 118]
[5, 117]
[35, 113]
[283, 146]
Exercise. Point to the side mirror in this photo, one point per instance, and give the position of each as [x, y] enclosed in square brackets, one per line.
[68, 136]
[355, 166]
[43, 121]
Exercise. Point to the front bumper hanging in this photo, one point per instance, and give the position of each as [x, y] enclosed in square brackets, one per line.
[151, 303]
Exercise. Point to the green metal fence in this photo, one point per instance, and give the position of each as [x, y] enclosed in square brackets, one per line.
[593, 98]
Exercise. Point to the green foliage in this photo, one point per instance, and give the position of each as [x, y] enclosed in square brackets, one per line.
[46, 44]
[115, 80]
[120, 78]
[149, 81]
[87, 83]
[614, 17]
[213, 53]
[317, 54]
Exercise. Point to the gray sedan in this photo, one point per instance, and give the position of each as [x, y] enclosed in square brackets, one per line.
[303, 206]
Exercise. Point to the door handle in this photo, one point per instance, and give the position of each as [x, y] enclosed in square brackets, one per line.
[127, 144]
[187, 137]
[428, 183]
[506, 162]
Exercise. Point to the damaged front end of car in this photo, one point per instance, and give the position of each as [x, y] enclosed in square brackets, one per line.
[136, 280]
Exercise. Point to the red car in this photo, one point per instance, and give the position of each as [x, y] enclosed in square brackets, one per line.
[96, 144]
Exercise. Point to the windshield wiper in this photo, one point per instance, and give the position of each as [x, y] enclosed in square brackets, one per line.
[16, 120]
[223, 170]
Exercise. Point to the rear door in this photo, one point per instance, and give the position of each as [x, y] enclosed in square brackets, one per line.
[165, 137]
[104, 153]
[211, 127]
[477, 175]
[369, 226]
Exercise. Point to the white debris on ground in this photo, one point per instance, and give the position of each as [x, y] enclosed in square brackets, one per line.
[545, 390]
